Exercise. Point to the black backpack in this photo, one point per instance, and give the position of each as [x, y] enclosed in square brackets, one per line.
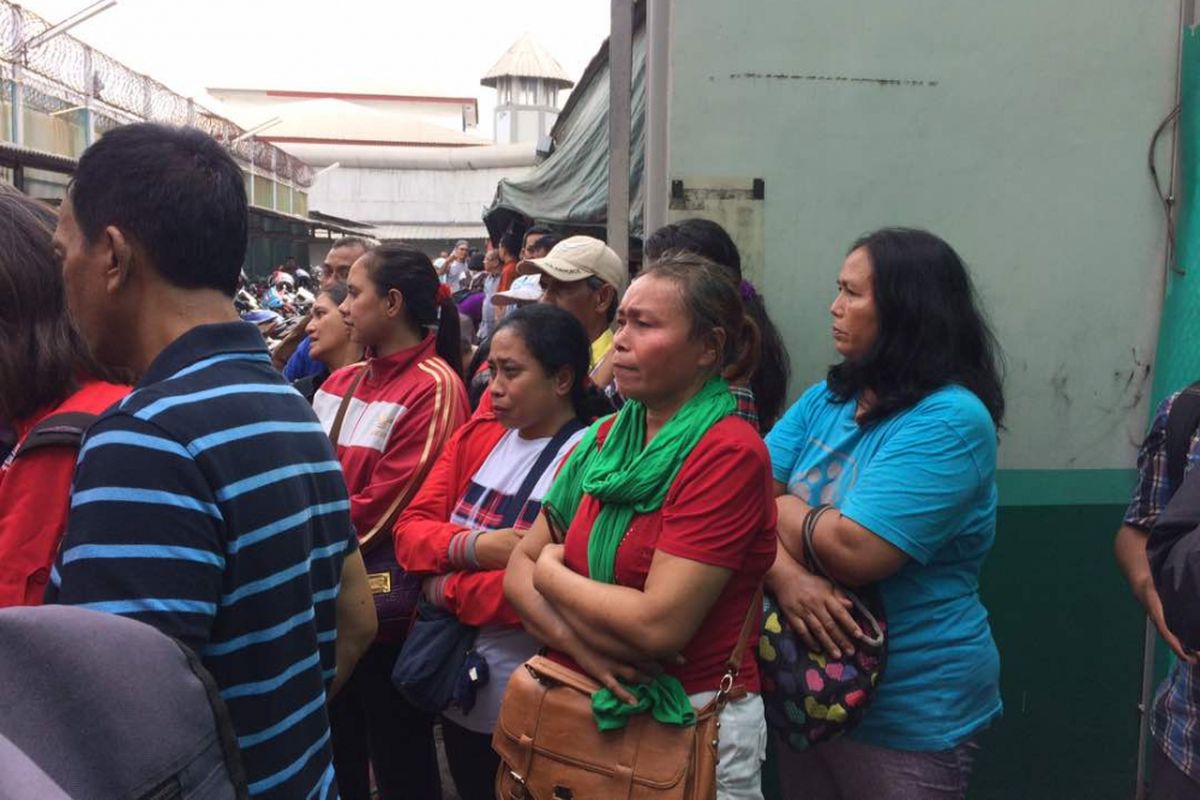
[1174, 545]
[57, 430]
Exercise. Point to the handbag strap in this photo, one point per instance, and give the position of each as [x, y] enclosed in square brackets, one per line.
[733, 664]
[336, 431]
[517, 501]
[815, 565]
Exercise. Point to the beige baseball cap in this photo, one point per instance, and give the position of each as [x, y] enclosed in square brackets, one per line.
[578, 257]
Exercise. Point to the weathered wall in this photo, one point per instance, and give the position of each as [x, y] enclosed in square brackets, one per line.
[1018, 131]
[408, 195]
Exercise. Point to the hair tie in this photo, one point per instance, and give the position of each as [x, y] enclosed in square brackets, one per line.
[443, 293]
[748, 292]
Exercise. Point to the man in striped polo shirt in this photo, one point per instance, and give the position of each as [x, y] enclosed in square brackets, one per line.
[209, 502]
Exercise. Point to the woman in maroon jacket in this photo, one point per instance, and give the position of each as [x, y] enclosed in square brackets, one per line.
[455, 532]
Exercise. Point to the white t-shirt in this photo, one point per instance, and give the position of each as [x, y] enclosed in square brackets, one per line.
[504, 648]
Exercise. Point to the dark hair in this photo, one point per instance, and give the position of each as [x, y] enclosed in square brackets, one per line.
[393, 265]
[176, 193]
[511, 242]
[931, 330]
[41, 355]
[556, 339]
[476, 262]
[350, 241]
[546, 243]
[707, 238]
[537, 230]
[596, 284]
[712, 302]
[337, 292]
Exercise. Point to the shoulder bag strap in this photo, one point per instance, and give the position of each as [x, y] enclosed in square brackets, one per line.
[336, 430]
[535, 472]
[734, 664]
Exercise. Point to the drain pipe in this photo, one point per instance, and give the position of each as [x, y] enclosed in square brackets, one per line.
[620, 82]
[658, 109]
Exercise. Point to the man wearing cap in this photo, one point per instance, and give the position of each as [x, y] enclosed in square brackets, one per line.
[586, 277]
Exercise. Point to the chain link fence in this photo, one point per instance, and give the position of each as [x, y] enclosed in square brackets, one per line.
[64, 74]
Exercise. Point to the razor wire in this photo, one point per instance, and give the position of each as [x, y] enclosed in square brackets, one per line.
[64, 73]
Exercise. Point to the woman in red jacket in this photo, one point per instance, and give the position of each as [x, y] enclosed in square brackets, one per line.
[393, 416]
[45, 371]
[457, 529]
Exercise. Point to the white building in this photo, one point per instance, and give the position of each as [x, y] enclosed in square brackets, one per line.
[413, 167]
[527, 81]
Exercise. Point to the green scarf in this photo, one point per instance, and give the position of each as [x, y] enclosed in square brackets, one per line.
[630, 478]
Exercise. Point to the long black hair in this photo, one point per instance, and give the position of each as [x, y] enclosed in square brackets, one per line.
[932, 331]
[556, 339]
[405, 268]
[42, 356]
[705, 237]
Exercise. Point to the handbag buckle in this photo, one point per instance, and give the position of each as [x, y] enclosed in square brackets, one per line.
[726, 685]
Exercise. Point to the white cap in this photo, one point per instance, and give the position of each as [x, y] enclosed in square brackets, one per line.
[524, 290]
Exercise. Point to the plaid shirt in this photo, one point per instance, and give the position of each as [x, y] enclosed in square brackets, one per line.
[1175, 719]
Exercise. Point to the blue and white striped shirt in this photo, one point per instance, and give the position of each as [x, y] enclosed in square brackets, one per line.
[209, 504]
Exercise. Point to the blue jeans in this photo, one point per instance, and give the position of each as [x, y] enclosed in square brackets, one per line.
[844, 769]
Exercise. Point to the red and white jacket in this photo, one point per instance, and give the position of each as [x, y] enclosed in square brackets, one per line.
[401, 416]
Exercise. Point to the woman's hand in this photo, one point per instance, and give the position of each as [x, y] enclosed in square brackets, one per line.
[493, 548]
[818, 612]
[611, 672]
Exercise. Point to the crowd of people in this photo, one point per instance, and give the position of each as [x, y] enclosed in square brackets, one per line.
[528, 450]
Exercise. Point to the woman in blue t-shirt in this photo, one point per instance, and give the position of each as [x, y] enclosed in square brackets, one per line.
[900, 440]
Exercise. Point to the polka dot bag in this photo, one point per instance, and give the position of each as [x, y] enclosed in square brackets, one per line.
[811, 697]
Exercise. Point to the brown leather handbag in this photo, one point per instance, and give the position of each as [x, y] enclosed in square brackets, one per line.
[551, 749]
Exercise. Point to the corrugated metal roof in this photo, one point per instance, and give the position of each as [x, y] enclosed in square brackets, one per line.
[337, 121]
[527, 59]
[448, 232]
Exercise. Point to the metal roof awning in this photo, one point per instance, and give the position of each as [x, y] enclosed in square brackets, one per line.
[320, 216]
[12, 155]
[432, 232]
[570, 188]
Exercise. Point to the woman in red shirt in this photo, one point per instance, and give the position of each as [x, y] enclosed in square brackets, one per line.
[667, 509]
[483, 493]
[400, 409]
[45, 370]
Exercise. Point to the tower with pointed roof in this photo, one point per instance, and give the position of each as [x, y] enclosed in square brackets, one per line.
[527, 80]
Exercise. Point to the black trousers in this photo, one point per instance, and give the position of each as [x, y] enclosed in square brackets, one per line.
[473, 762]
[371, 721]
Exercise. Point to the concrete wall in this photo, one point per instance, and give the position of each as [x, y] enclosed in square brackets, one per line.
[408, 195]
[1017, 131]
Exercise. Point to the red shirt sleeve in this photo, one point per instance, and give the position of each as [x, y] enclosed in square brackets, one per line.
[423, 532]
[477, 598]
[720, 501]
